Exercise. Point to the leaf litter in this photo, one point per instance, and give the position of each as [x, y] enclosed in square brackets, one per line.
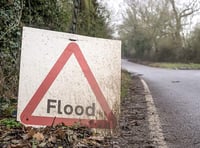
[59, 136]
[132, 130]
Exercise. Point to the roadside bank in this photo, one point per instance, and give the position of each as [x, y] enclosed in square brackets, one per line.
[137, 126]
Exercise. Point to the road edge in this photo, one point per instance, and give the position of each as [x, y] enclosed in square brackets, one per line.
[156, 133]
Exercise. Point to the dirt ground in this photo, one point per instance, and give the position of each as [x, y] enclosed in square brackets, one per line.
[133, 131]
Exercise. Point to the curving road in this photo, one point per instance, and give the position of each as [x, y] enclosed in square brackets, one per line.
[177, 98]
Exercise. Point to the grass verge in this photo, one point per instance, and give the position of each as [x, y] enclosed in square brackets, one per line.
[125, 83]
[182, 66]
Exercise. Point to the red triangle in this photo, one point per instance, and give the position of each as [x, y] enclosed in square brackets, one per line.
[27, 117]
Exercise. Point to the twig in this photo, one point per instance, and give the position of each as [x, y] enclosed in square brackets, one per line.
[53, 121]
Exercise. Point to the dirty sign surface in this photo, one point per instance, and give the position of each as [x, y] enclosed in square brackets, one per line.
[65, 81]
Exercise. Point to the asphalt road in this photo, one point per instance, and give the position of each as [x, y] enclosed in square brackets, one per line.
[176, 95]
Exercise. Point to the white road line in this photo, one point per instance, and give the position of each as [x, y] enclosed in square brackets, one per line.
[156, 133]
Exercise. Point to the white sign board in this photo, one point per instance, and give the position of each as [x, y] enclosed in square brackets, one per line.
[67, 78]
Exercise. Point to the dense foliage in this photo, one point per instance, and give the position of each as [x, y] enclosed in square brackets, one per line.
[46, 14]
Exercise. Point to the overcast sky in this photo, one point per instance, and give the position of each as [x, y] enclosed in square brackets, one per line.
[118, 7]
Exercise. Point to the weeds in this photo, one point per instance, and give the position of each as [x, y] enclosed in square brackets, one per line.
[126, 80]
[10, 123]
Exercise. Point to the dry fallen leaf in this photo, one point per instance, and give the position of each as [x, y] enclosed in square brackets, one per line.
[42, 144]
[95, 138]
[52, 139]
[30, 133]
[60, 133]
[38, 136]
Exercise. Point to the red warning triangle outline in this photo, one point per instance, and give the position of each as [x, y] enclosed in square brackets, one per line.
[27, 117]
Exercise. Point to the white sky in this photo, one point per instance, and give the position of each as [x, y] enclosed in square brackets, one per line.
[118, 7]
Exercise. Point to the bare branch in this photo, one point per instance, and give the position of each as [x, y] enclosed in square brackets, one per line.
[190, 9]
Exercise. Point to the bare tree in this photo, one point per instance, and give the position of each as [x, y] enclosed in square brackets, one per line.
[158, 23]
[180, 14]
[151, 17]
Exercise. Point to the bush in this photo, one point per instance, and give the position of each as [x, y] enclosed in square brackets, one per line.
[167, 51]
[194, 46]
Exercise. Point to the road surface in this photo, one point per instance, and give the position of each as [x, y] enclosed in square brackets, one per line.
[176, 95]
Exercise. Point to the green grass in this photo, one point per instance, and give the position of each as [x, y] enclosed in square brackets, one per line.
[10, 123]
[125, 83]
[189, 66]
